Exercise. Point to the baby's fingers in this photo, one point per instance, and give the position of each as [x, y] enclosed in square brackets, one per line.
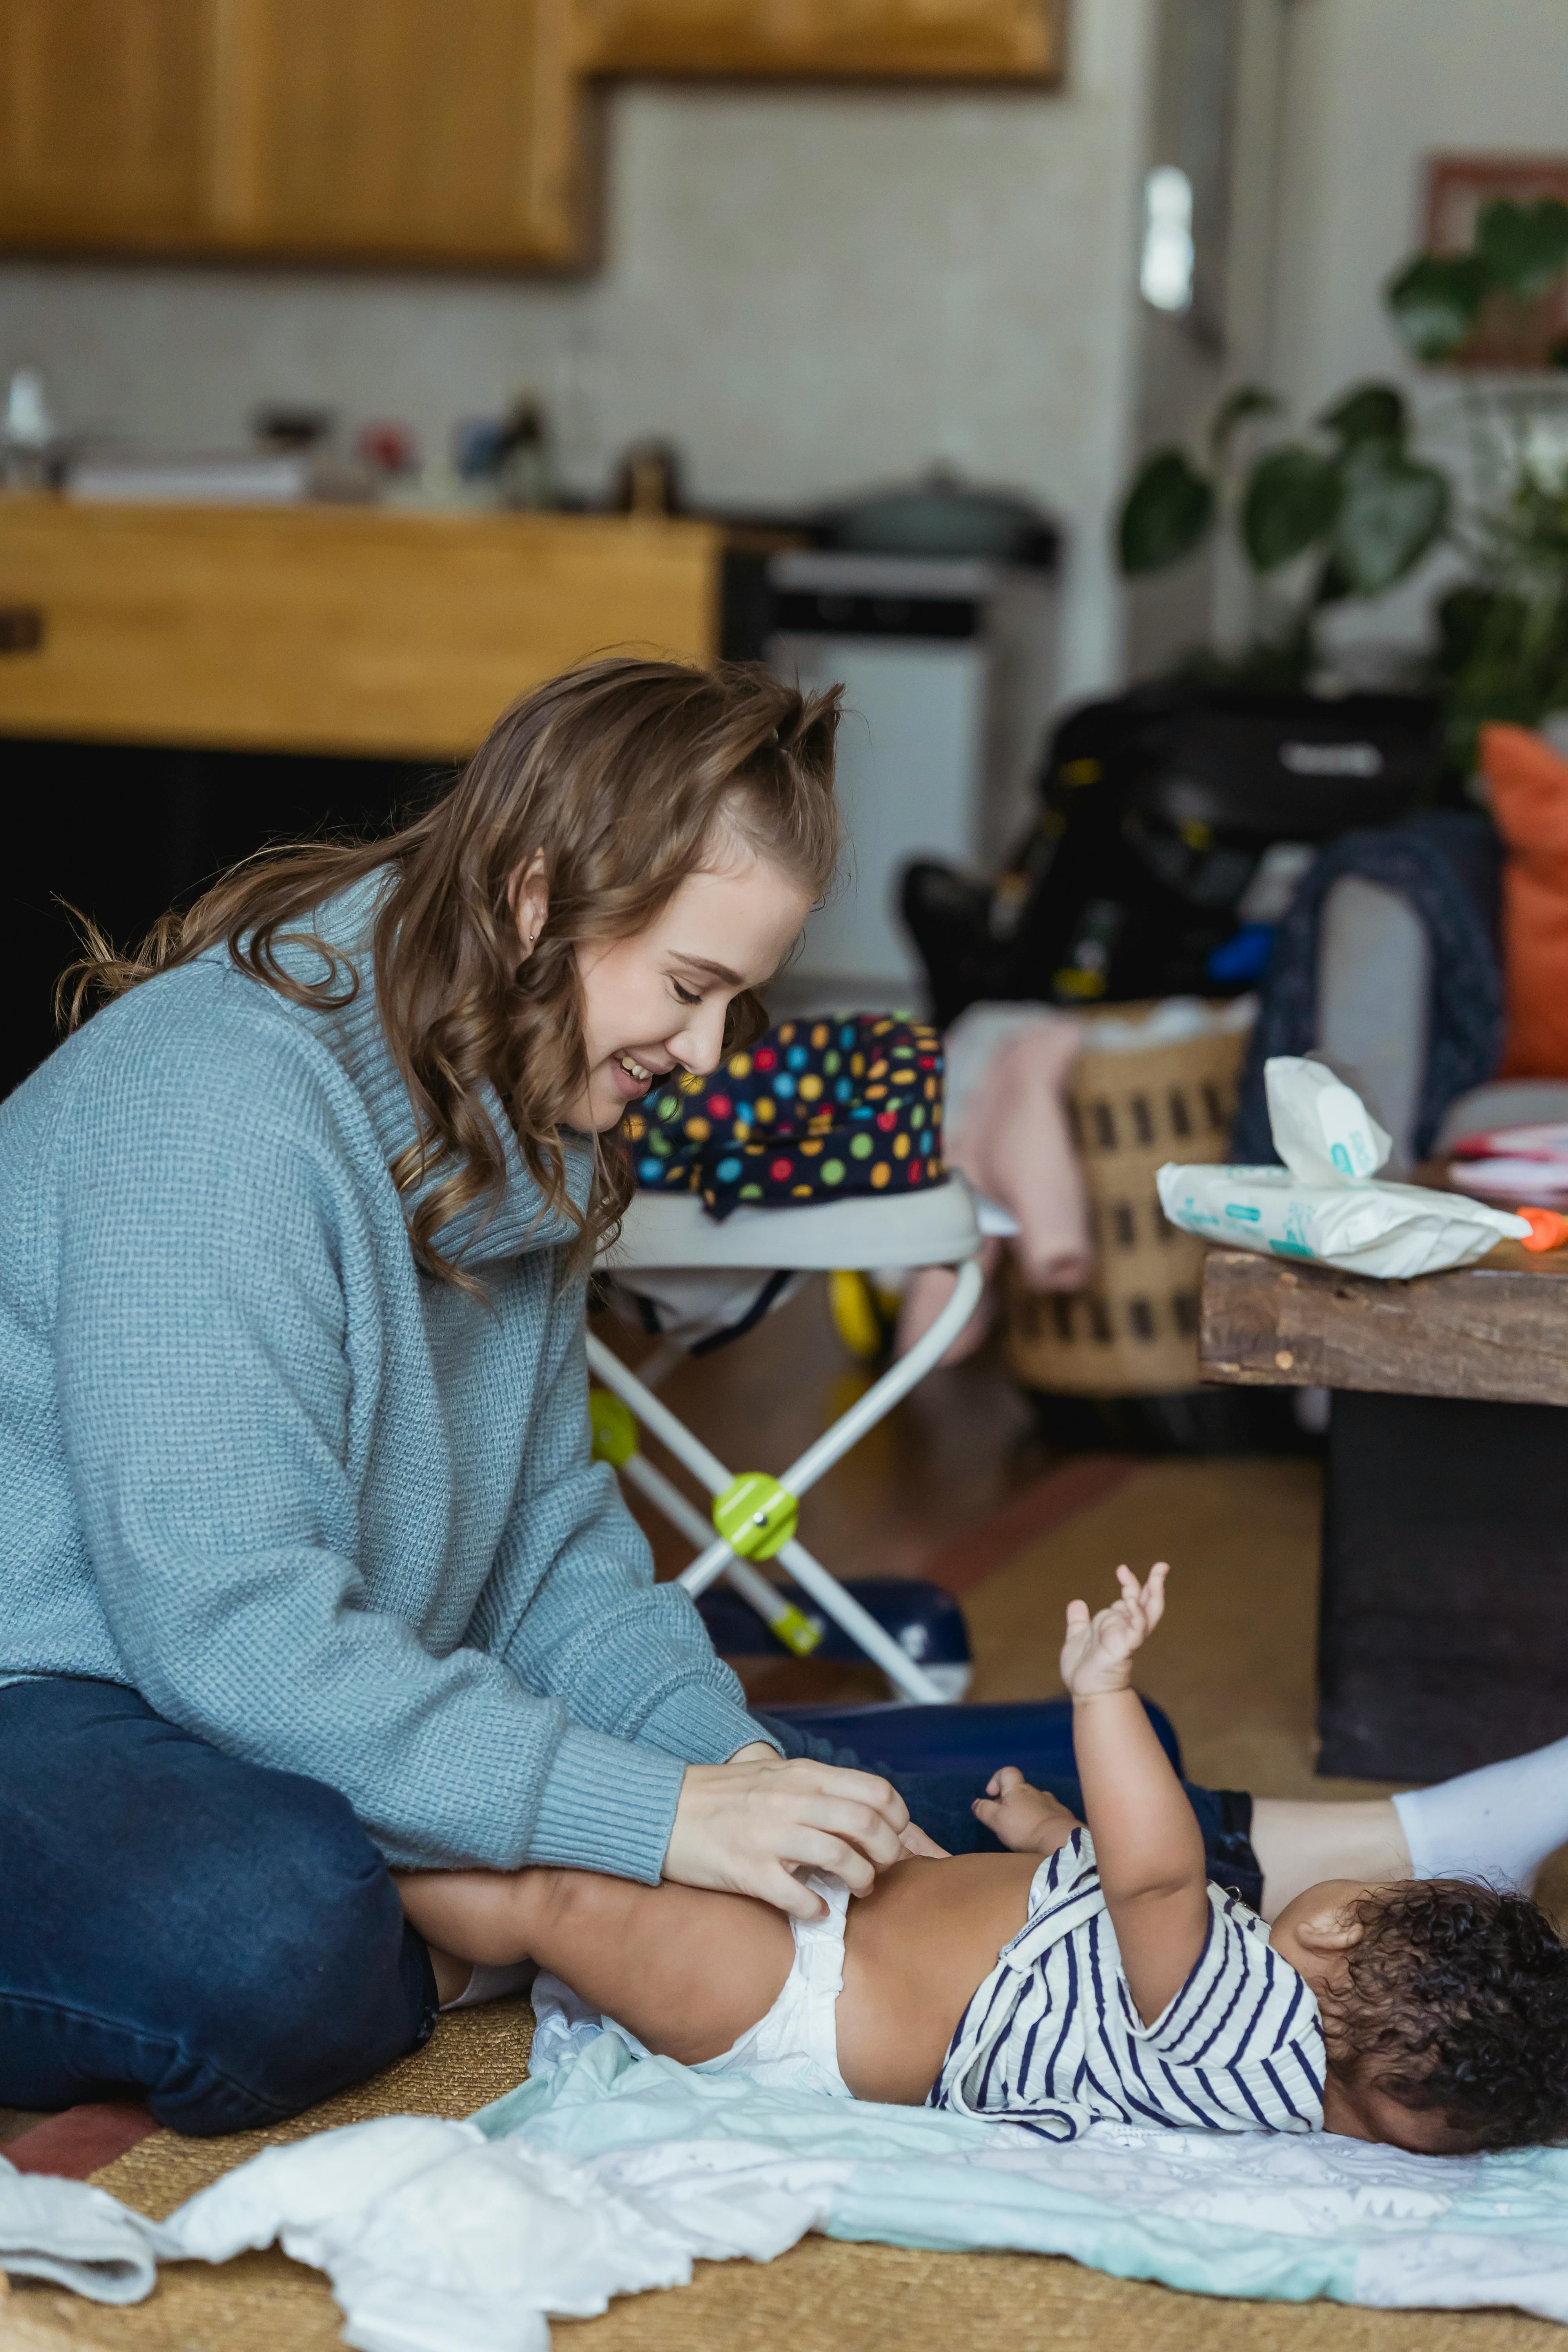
[1077, 1617]
[1008, 1776]
[1155, 1593]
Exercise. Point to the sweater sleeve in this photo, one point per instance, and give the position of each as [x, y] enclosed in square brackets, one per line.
[572, 1605]
[207, 1374]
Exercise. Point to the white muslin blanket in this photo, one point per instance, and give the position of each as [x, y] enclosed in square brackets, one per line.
[615, 2173]
[76, 2236]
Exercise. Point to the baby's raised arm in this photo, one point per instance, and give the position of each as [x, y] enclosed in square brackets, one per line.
[1147, 1843]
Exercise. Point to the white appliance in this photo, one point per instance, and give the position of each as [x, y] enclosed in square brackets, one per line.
[946, 667]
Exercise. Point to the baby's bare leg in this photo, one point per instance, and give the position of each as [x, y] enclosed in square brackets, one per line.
[686, 1970]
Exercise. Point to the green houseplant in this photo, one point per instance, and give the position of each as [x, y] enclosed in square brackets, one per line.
[1351, 508]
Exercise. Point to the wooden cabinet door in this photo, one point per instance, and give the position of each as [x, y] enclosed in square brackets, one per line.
[897, 39]
[403, 129]
[104, 122]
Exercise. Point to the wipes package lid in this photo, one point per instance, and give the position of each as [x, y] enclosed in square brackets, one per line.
[1321, 1128]
[1322, 1206]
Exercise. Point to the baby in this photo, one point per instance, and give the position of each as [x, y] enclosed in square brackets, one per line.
[1091, 1972]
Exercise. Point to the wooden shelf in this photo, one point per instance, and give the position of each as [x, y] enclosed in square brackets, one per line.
[347, 630]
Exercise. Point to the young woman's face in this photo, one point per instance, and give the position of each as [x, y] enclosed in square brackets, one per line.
[658, 1000]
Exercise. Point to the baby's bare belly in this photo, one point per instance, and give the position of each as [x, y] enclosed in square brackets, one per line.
[914, 1951]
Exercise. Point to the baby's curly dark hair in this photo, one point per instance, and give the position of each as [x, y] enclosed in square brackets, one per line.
[1457, 2004]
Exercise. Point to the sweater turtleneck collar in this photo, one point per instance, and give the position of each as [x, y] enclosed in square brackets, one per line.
[517, 1223]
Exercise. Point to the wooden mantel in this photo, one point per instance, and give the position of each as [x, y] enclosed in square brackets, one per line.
[383, 632]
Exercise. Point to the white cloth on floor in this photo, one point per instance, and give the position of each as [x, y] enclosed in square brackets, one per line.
[77, 2236]
[615, 2173]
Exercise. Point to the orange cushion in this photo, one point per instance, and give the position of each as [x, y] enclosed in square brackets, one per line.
[1529, 784]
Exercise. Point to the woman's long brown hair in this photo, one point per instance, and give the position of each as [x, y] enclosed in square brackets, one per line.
[623, 777]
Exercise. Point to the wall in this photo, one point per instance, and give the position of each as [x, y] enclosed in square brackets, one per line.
[1371, 86]
[807, 290]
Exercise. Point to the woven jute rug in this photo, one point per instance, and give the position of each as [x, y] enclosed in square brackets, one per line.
[1233, 1665]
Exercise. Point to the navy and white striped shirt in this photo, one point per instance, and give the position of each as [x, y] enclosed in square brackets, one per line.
[1052, 2039]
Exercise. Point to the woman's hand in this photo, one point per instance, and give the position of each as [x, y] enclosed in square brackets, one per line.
[746, 1826]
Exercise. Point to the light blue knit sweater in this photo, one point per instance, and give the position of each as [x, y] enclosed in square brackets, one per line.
[317, 1507]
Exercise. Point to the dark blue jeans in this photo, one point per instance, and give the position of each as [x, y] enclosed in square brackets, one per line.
[939, 1802]
[225, 1939]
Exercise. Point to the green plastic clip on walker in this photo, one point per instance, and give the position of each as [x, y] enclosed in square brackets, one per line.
[762, 1510]
[612, 1428]
[755, 1516]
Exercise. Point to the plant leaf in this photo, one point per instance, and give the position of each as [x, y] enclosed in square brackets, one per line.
[1391, 512]
[1291, 499]
[1247, 400]
[1523, 247]
[1434, 302]
[1168, 511]
[1372, 412]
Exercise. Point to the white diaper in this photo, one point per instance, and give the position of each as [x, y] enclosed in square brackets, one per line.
[796, 2046]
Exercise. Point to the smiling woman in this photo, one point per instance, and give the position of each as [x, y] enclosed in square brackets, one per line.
[663, 999]
[304, 1566]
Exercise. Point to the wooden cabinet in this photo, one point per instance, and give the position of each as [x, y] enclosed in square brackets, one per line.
[104, 118]
[400, 128]
[349, 630]
[391, 130]
[419, 131]
[893, 39]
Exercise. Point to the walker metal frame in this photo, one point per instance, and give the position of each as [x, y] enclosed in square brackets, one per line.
[754, 1514]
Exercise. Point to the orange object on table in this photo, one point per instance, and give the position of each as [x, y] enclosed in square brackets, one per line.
[1548, 1228]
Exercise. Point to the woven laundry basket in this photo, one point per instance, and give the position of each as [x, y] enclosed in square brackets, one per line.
[1133, 1332]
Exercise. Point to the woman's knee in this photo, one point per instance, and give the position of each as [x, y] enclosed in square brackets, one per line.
[322, 1983]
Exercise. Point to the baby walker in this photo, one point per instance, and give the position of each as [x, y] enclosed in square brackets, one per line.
[818, 1152]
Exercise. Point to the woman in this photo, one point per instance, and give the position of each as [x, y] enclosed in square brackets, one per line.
[304, 1568]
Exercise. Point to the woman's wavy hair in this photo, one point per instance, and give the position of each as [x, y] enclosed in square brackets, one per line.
[623, 778]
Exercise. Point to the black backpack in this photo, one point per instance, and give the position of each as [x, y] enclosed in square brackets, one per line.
[1156, 809]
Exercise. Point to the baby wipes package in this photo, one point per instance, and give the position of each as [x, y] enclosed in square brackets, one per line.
[1324, 1203]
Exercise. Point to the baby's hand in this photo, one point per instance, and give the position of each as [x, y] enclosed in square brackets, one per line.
[1025, 1820]
[1097, 1654]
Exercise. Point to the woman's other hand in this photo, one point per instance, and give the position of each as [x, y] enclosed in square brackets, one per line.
[745, 1828]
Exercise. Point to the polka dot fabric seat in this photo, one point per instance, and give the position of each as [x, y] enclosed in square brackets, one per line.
[815, 1110]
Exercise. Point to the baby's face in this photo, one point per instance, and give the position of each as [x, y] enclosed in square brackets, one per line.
[1355, 2105]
